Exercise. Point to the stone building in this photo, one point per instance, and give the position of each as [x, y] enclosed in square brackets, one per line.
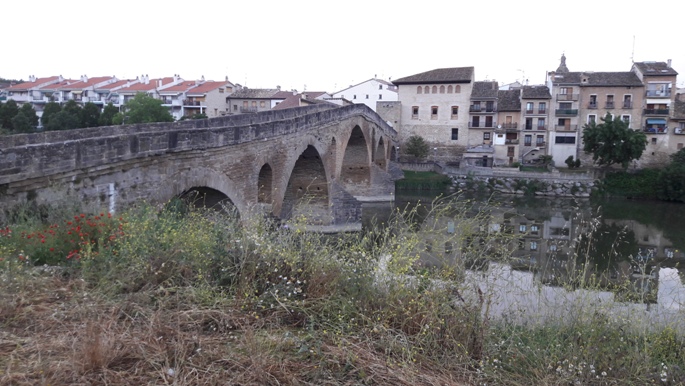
[535, 103]
[433, 105]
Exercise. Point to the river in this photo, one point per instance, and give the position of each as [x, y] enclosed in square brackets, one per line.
[572, 254]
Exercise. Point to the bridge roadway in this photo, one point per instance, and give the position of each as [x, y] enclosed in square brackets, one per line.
[317, 161]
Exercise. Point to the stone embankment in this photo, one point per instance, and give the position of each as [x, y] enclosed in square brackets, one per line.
[524, 185]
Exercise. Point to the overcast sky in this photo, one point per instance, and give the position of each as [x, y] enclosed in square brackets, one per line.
[329, 45]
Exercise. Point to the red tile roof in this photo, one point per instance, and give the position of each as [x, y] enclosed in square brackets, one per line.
[181, 87]
[28, 85]
[60, 85]
[153, 84]
[89, 83]
[207, 87]
[116, 84]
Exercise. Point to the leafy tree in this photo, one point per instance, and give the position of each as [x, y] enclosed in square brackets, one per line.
[570, 162]
[30, 114]
[50, 109]
[417, 147]
[63, 120]
[670, 185]
[107, 114]
[74, 109]
[145, 109]
[21, 123]
[8, 111]
[90, 115]
[612, 142]
[194, 116]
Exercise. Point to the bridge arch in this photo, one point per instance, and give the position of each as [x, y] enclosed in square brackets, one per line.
[379, 155]
[211, 184]
[265, 184]
[355, 169]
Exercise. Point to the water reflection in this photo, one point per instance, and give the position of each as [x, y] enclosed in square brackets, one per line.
[625, 252]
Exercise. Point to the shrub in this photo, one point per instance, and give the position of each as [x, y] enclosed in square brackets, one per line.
[417, 147]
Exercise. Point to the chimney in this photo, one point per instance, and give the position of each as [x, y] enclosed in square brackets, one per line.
[32, 78]
[226, 78]
[668, 63]
[278, 88]
[203, 78]
[159, 83]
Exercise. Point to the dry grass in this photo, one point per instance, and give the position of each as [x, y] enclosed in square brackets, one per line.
[55, 332]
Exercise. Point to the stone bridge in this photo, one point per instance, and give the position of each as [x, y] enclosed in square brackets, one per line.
[318, 161]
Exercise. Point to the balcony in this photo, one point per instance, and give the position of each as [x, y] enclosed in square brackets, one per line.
[655, 111]
[192, 103]
[248, 109]
[541, 127]
[609, 105]
[592, 105]
[656, 130]
[567, 97]
[679, 131]
[511, 141]
[566, 127]
[482, 109]
[540, 144]
[482, 125]
[566, 112]
[658, 93]
[627, 105]
[509, 126]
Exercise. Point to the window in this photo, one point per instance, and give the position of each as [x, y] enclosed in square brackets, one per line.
[380, 86]
[627, 101]
[254, 103]
[553, 248]
[455, 134]
[449, 89]
[486, 136]
[653, 141]
[354, 96]
[529, 107]
[262, 104]
[434, 112]
[565, 140]
[527, 140]
[510, 151]
[246, 104]
[434, 90]
[457, 89]
[235, 107]
[541, 124]
[565, 105]
[419, 90]
[559, 231]
[533, 245]
[442, 89]
[540, 140]
[542, 108]
[593, 102]
[426, 90]
[626, 119]
[534, 229]
[610, 102]
[415, 112]
[221, 90]
[565, 90]
[380, 96]
[529, 123]
[455, 112]
[592, 118]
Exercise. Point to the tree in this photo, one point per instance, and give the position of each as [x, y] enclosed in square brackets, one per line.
[417, 147]
[145, 109]
[30, 114]
[90, 115]
[612, 142]
[63, 120]
[22, 123]
[75, 110]
[50, 109]
[107, 114]
[670, 185]
[8, 111]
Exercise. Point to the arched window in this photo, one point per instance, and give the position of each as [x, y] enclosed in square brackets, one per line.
[435, 90]
[442, 89]
[449, 89]
[426, 90]
[457, 89]
[419, 90]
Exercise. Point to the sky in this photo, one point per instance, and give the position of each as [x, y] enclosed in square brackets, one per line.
[322, 45]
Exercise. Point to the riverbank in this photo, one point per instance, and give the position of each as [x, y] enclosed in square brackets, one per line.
[187, 298]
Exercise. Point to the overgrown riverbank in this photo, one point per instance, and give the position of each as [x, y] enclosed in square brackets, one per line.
[187, 297]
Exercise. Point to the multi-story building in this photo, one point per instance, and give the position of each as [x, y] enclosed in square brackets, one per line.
[535, 104]
[369, 92]
[679, 121]
[507, 133]
[151, 87]
[254, 100]
[29, 92]
[482, 113]
[434, 105]
[657, 108]
[208, 98]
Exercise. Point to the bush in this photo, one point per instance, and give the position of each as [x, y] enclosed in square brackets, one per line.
[417, 147]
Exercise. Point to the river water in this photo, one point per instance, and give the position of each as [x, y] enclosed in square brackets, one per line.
[571, 255]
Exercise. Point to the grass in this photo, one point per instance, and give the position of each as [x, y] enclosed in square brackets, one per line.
[423, 181]
[191, 297]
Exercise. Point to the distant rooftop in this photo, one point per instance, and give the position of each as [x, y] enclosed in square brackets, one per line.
[440, 75]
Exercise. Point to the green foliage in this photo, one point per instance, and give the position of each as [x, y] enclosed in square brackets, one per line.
[145, 109]
[90, 115]
[21, 123]
[107, 115]
[30, 113]
[417, 147]
[194, 116]
[570, 162]
[639, 184]
[612, 142]
[50, 109]
[63, 120]
[671, 181]
[516, 164]
[423, 181]
[8, 110]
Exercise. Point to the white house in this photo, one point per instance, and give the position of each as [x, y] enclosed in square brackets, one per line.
[369, 92]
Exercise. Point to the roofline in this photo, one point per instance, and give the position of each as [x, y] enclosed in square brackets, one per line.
[433, 82]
